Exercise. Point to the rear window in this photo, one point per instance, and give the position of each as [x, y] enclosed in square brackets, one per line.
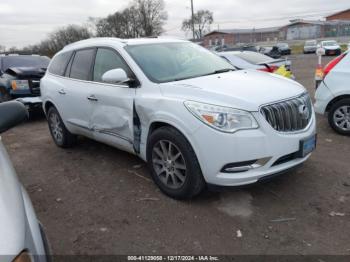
[82, 63]
[24, 61]
[254, 57]
[59, 63]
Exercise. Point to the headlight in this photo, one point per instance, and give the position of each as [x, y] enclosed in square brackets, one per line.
[224, 119]
[20, 84]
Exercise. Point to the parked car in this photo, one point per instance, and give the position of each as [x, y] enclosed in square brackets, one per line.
[310, 46]
[273, 51]
[254, 60]
[349, 46]
[333, 94]
[331, 47]
[284, 48]
[20, 78]
[22, 237]
[252, 48]
[186, 111]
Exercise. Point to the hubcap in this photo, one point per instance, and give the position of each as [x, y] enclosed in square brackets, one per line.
[56, 127]
[341, 118]
[169, 164]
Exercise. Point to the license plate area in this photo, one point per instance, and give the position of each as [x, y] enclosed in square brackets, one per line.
[307, 145]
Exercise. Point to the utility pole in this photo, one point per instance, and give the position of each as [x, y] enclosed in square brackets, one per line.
[192, 19]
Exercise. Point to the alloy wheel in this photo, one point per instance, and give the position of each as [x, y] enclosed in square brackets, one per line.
[341, 118]
[56, 127]
[169, 164]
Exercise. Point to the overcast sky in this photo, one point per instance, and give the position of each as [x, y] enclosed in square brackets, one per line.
[24, 22]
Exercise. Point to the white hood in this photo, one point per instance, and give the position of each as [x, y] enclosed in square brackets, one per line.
[245, 89]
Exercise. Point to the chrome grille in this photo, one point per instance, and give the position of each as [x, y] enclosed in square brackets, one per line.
[289, 115]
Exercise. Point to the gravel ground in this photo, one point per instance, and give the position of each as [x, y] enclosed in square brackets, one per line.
[94, 199]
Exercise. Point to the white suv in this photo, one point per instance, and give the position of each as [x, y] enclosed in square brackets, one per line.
[184, 110]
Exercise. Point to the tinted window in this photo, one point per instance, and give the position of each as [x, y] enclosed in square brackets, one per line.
[82, 64]
[107, 59]
[25, 61]
[59, 63]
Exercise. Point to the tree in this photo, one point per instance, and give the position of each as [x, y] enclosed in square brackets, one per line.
[142, 18]
[2, 48]
[202, 21]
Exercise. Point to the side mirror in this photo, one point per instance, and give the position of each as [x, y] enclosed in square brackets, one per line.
[115, 76]
[11, 114]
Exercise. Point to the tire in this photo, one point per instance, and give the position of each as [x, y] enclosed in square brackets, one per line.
[177, 176]
[60, 134]
[4, 96]
[338, 110]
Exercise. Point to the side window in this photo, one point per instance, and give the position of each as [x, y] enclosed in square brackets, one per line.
[59, 63]
[107, 59]
[81, 66]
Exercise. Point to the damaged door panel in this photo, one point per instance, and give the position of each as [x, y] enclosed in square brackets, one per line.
[112, 119]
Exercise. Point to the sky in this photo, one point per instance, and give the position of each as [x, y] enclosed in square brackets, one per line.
[25, 22]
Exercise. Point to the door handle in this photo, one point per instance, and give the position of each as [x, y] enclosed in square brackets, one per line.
[62, 92]
[92, 98]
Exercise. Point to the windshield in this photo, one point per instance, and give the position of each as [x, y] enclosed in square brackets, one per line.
[168, 62]
[254, 57]
[310, 43]
[25, 61]
[330, 43]
[283, 45]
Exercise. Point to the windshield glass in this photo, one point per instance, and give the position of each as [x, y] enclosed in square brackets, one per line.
[254, 57]
[168, 62]
[330, 43]
[283, 45]
[310, 43]
[25, 61]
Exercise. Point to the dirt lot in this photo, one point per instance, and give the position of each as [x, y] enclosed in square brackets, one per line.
[94, 199]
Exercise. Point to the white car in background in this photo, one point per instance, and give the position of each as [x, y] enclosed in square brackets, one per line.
[310, 46]
[257, 61]
[186, 111]
[331, 47]
[333, 94]
[22, 238]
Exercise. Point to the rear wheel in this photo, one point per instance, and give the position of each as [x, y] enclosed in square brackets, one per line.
[60, 134]
[173, 164]
[339, 117]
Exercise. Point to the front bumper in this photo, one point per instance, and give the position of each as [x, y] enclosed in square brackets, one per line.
[220, 149]
[31, 103]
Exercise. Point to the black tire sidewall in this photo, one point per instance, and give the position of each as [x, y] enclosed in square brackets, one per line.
[334, 107]
[68, 138]
[194, 182]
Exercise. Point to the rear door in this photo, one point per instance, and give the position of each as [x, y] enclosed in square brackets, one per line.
[77, 92]
[112, 112]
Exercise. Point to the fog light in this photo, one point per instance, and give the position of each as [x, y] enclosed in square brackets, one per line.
[244, 166]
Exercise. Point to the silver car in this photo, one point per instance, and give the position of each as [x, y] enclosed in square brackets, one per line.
[21, 236]
[310, 47]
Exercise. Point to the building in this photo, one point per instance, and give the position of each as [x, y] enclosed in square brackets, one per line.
[236, 36]
[335, 25]
[342, 15]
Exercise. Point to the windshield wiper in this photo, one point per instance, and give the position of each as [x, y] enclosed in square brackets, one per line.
[220, 71]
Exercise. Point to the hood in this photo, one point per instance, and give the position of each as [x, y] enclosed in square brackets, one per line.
[244, 89]
[331, 47]
[26, 72]
[12, 214]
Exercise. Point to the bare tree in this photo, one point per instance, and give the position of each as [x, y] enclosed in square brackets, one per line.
[2, 48]
[202, 21]
[142, 18]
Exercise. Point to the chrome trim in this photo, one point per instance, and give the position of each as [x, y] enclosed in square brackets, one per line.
[284, 116]
[260, 163]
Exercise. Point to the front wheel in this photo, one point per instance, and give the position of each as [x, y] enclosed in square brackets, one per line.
[339, 117]
[4, 96]
[60, 134]
[173, 164]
